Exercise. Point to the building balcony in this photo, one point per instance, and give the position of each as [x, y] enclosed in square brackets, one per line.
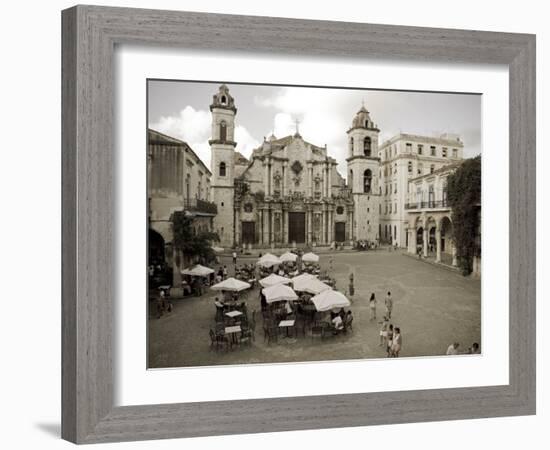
[196, 205]
[434, 204]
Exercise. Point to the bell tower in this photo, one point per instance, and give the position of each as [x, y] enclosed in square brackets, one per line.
[363, 166]
[222, 146]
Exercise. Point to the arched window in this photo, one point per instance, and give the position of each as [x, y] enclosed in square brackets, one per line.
[366, 123]
[367, 180]
[351, 146]
[350, 183]
[222, 169]
[223, 131]
[224, 100]
[367, 146]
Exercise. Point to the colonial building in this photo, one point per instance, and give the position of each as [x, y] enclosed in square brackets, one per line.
[402, 158]
[177, 180]
[290, 192]
[429, 218]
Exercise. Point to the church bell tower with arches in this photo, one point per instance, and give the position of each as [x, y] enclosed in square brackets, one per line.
[222, 146]
[363, 167]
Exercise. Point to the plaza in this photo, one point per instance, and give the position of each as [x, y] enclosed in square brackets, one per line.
[433, 305]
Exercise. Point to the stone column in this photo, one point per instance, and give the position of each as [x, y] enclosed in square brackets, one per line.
[425, 243]
[283, 180]
[309, 179]
[271, 227]
[330, 227]
[265, 226]
[238, 226]
[329, 187]
[309, 219]
[266, 177]
[437, 244]
[285, 226]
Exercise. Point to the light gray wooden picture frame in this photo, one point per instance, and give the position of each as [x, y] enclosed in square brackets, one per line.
[89, 37]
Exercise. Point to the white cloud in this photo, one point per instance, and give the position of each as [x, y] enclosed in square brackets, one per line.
[195, 126]
[245, 141]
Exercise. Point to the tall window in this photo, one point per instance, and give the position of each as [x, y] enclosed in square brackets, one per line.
[367, 180]
[444, 152]
[408, 147]
[432, 150]
[351, 179]
[351, 146]
[367, 146]
[420, 169]
[455, 153]
[432, 168]
[223, 131]
[431, 196]
[410, 167]
[420, 149]
[222, 169]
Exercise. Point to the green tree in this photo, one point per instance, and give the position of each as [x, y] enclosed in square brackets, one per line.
[196, 245]
[464, 197]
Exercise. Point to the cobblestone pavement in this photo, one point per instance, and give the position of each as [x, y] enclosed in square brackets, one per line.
[433, 306]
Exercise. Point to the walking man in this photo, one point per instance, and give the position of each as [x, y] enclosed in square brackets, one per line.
[372, 305]
[389, 305]
[234, 257]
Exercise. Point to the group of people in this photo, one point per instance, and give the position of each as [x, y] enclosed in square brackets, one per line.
[453, 349]
[341, 320]
[390, 338]
[388, 303]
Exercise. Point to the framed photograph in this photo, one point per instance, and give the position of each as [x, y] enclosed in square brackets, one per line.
[268, 230]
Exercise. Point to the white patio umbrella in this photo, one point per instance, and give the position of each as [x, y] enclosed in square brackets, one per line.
[288, 257]
[268, 260]
[279, 293]
[197, 271]
[329, 299]
[231, 284]
[298, 280]
[310, 257]
[273, 279]
[310, 285]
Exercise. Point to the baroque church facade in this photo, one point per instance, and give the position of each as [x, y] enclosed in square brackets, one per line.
[289, 192]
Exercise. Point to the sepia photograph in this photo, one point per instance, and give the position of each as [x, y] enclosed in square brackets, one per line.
[291, 224]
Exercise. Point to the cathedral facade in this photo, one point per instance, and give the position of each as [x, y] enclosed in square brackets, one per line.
[289, 192]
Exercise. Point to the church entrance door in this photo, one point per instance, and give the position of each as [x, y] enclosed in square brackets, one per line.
[249, 232]
[340, 231]
[297, 227]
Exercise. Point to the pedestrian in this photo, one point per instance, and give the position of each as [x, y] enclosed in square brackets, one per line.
[372, 305]
[389, 340]
[397, 343]
[224, 272]
[453, 349]
[161, 304]
[383, 331]
[234, 257]
[389, 305]
[474, 349]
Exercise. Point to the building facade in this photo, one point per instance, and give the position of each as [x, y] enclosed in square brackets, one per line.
[177, 180]
[402, 158]
[289, 192]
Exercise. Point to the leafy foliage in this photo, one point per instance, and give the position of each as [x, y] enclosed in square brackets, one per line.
[194, 244]
[464, 197]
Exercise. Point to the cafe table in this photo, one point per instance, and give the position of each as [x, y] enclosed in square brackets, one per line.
[232, 331]
[286, 324]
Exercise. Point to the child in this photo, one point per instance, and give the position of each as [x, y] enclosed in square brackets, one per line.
[389, 305]
[389, 341]
[383, 331]
[397, 342]
[372, 304]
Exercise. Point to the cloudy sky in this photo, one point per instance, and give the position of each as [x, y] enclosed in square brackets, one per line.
[181, 109]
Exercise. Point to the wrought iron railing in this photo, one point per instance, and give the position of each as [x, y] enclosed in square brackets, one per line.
[198, 205]
[434, 204]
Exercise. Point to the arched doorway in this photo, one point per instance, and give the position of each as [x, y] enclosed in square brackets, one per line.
[419, 239]
[446, 235]
[156, 248]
